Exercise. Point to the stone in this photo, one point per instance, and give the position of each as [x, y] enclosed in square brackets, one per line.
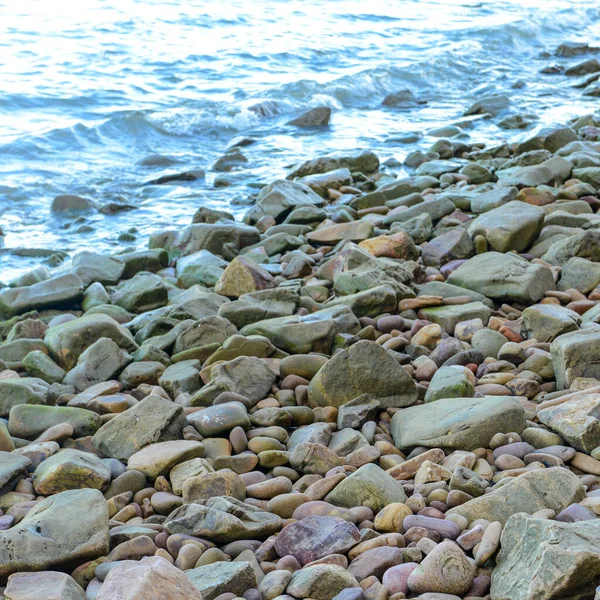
[70, 470]
[151, 578]
[279, 198]
[158, 459]
[554, 488]
[398, 245]
[243, 276]
[545, 322]
[208, 485]
[321, 582]
[315, 537]
[576, 420]
[245, 375]
[63, 291]
[457, 423]
[45, 585]
[141, 293]
[488, 342]
[21, 391]
[513, 226]
[449, 316]
[450, 382]
[70, 203]
[67, 341]
[223, 520]
[445, 569]
[582, 245]
[504, 277]
[12, 468]
[260, 306]
[342, 379]
[489, 200]
[315, 117]
[365, 161]
[368, 486]
[454, 245]
[100, 362]
[39, 365]
[154, 419]
[314, 332]
[91, 267]
[29, 421]
[63, 529]
[580, 274]
[355, 231]
[220, 419]
[576, 354]
[546, 560]
[214, 237]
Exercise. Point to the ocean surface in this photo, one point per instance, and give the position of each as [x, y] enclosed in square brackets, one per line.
[90, 89]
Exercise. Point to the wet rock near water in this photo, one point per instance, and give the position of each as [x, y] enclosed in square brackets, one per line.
[370, 389]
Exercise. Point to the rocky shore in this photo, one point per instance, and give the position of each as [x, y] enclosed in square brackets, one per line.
[371, 389]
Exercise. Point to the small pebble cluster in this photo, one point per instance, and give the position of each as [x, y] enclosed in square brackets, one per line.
[371, 389]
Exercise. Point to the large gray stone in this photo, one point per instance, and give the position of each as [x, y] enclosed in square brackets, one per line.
[223, 519]
[63, 291]
[45, 585]
[576, 420]
[368, 486]
[314, 332]
[457, 423]
[61, 531]
[505, 277]
[152, 578]
[547, 560]
[68, 341]
[583, 245]
[576, 354]
[545, 322]
[321, 582]
[12, 468]
[513, 226]
[26, 390]
[220, 577]
[29, 421]
[554, 488]
[449, 382]
[279, 198]
[154, 419]
[215, 238]
[91, 267]
[343, 378]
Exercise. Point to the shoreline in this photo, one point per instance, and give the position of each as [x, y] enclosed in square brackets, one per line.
[355, 393]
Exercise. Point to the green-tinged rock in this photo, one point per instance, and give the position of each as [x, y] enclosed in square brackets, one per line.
[245, 375]
[61, 531]
[449, 382]
[448, 316]
[545, 322]
[506, 277]
[542, 559]
[154, 419]
[554, 488]
[457, 423]
[259, 306]
[343, 378]
[279, 198]
[220, 577]
[310, 333]
[238, 345]
[583, 245]
[63, 291]
[436, 209]
[91, 267]
[68, 341]
[369, 303]
[513, 226]
[321, 582]
[369, 486]
[158, 459]
[144, 292]
[223, 520]
[580, 274]
[576, 420]
[70, 470]
[12, 468]
[102, 361]
[29, 421]
[26, 390]
[38, 364]
[13, 353]
[576, 354]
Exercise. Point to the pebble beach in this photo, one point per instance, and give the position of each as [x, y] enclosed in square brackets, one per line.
[368, 386]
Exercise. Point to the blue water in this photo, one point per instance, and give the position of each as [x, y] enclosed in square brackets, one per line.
[91, 88]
